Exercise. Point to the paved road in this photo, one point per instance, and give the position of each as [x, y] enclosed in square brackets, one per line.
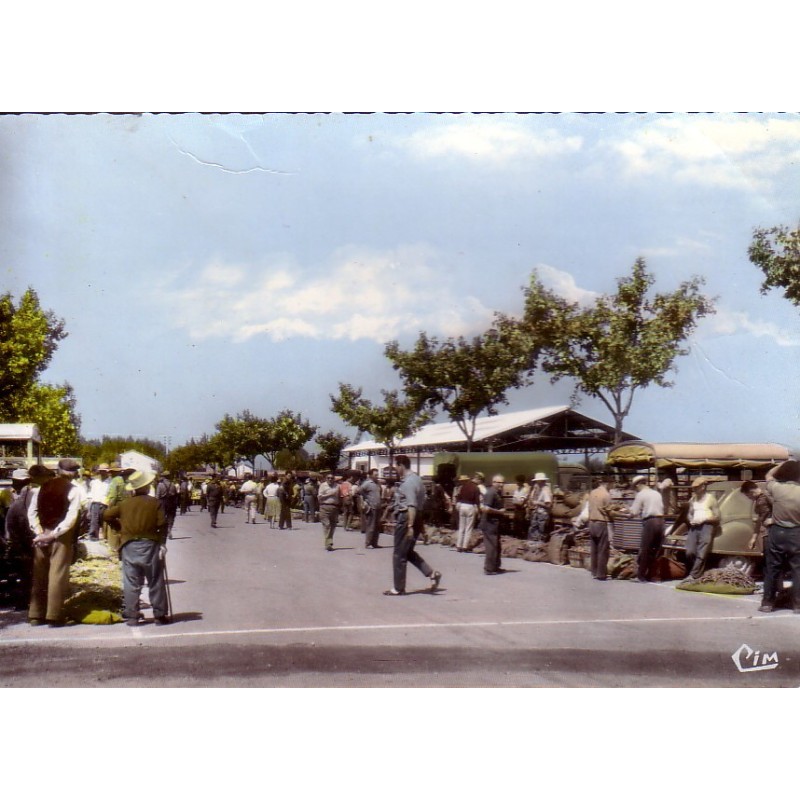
[260, 607]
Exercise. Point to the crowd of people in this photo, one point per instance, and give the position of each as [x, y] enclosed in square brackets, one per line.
[46, 512]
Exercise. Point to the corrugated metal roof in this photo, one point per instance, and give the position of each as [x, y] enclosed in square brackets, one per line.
[19, 430]
[439, 434]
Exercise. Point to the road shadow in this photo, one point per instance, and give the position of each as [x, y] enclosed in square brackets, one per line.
[177, 538]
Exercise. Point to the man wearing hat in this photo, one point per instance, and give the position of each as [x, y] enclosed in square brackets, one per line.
[703, 515]
[468, 499]
[649, 505]
[782, 545]
[98, 491]
[53, 515]
[142, 528]
[167, 495]
[600, 514]
[115, 495]
[19, 555]
[540, 501]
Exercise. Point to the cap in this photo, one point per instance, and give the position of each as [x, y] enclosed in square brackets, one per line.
[68, 465]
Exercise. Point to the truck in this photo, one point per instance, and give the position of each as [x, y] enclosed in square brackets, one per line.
[726, 466]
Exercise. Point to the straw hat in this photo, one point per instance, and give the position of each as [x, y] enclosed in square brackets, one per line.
[639, 479]
[138, 480]
[701, 481]
[539, 476]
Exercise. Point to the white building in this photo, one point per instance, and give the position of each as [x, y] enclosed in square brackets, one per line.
[133, 459]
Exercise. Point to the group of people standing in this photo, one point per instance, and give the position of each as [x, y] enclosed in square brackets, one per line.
[46, 518]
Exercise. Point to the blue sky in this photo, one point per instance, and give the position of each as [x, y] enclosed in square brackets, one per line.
[207, 264]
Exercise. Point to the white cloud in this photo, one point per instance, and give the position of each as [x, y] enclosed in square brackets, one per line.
[488, 140]
[723, 150]
[358, 294]
[563, 283]
[727, 322]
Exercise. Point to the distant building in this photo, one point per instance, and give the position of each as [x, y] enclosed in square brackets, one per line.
[132, 459]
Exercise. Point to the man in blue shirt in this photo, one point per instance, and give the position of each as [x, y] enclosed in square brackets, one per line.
[409, 499]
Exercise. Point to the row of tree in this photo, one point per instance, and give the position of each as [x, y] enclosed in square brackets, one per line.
[243, 438]
[610, 349]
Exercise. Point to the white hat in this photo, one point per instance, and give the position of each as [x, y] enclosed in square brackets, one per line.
[138, 480]
[20, 475]
[638, 479]
[539, 476]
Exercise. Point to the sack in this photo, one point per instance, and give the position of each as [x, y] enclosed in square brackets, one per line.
[558, 549]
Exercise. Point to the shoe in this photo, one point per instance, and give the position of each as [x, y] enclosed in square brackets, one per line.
[598, 578]
[132, 622]
[162, 620]
[768, 608]
[35, 622]
[55, 623]
[435, 580]
[393, 593]
[329, 548]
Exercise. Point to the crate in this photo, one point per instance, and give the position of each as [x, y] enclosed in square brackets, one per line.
[578, 558]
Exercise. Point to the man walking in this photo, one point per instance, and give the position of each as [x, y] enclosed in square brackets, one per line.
[370, 493]
[52, 516]
[214, 499]
[409, 499]
[249, 491]
[493, 512]
[649, 505]
[329, 500]
[783, 540]
[142, 528]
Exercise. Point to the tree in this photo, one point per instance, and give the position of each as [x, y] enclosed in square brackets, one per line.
[28, 338]
[241, 438]
[190, 457]
[464, 378]
[622, 343]
[108, 449]
[286, 431]
[776, 252]
[331, 445]
[52, 409]
[387, 423]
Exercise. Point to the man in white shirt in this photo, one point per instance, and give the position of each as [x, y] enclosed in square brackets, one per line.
[98, 489]
[649, 505]
[248, 490]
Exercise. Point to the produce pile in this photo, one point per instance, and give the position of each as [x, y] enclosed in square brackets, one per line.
[95, 584]
[726, 580]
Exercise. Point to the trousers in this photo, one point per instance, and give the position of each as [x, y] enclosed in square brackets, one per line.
[404, 552]
[652, 536]
[371, 526]
[698, 547]
[782, 548]
[328, 516]
[140, 563]
[50, 584]
[467, 515]
[599, 548]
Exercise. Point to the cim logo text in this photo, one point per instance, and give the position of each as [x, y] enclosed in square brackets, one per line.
[749, 660]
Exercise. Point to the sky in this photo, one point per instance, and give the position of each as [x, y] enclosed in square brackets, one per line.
[206, 264]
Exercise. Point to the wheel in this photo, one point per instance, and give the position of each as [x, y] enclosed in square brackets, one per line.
[744, 564]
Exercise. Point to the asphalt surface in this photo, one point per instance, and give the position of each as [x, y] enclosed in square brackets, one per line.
[261, 607]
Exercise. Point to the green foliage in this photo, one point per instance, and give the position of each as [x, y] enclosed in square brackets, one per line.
[190, 457]
[464, 378]
[331, 445]
[28, 338]
[109, 448]
[52, 409]
[622, 343]
[387, 423]
[776, 252]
